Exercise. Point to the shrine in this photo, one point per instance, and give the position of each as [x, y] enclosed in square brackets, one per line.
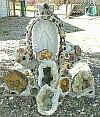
[46, 65]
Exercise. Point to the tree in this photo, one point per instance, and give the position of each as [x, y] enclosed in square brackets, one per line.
[68, 7]
[14, 2]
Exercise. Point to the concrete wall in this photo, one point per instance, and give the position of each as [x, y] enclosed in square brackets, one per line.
[3, 8]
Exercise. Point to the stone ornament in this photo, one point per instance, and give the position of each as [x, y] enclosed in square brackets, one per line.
[64, 85]
[77, 50]
[54, 72]
[82, 80]
[65, 67]
[45, 11]
[45, 54]
[21, 55]
[16, 81]
[47, 100]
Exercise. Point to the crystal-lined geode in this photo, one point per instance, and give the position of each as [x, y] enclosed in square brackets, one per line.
[82, 80]
[45, 54]
[47, 100]
[16, 81]
[64, 85]
[48, 77]
[48, 73]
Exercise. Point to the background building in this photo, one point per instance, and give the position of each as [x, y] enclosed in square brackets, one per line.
[3, 8]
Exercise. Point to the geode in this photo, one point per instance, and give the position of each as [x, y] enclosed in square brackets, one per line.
[47, 76]
[82, 80]
[47, 100]
[64, 85]
[16, 81]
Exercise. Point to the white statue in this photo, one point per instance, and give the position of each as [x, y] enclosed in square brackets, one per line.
[45, 36]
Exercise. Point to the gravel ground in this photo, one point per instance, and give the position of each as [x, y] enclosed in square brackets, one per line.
[13, 28]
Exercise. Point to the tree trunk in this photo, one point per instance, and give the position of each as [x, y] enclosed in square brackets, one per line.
[14, 7]
[68, 8]
[67, 2]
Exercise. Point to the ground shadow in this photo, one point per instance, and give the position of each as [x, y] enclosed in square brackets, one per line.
[68, 28]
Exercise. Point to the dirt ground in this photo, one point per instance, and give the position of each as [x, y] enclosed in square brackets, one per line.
[13, 28]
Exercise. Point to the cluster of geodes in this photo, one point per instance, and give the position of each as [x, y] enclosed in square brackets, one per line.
[48, 81]
[42, 71]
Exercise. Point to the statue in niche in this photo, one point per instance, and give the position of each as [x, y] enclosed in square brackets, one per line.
[42, 32]
[45, 34]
